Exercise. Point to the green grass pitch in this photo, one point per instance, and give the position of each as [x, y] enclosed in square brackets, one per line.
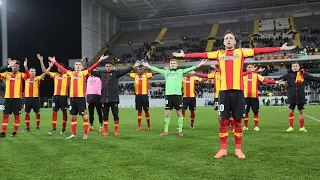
[271, 154]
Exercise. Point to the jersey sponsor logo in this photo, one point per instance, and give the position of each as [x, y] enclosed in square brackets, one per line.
[13, 79]
[60, 77]
[230, 58]
[141, 78]
[76, 77]
[249, 79]
[172, 73]
[188, 81]
[33, 81]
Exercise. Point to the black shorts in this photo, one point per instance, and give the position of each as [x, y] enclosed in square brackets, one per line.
[32, 103]
[93, 98]
[299, 106]
[231, 101]
[173, 101]
[142, 101]
[189, 102]
[252, 103]
[12, 105]
[216, 103]
[59, 102]
[78, 106]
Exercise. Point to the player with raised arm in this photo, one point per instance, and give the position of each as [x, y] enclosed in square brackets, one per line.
[13, 95]
[110, 94]
[189, 97]
[60, 96]
[141, 91]
[173, 93]
[32, 97]
[78, 93]
[251, 82]
[231, 97]
[295, 79]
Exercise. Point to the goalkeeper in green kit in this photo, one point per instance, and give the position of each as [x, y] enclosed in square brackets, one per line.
[173, 99]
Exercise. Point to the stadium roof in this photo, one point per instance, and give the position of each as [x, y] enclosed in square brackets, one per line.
[128, 10]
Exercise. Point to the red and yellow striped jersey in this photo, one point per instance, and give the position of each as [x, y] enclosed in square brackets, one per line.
[189, 83]
[13, 84]
[141, 83]
[78, 83]
[251, 82]
[231, 66]
[61, 83]
[217, 82]
[32, 87]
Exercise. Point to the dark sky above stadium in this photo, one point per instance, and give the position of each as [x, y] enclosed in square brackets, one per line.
[49, 27]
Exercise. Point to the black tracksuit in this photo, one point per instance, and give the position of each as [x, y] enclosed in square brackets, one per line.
[110, 90]
[296, 91]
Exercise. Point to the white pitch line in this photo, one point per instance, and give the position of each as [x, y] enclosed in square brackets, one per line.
[315, 119]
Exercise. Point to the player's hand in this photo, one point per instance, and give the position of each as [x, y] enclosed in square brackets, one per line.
[261, 69]
[84, 57]
[103, 57]
[281, 82]
[254, 68]
[52, 59]
[51, 63]
[213, 66]
[11, 62]
[192, 72]
[202, 62]
[166, 67]
[138, 63]
[284, 47]
[146, 64]
[180, 54]
[40, 57]
[25, 63]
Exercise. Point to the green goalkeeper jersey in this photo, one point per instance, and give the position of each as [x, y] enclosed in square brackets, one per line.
[173, 79]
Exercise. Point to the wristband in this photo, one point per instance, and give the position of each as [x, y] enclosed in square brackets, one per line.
[277, 82]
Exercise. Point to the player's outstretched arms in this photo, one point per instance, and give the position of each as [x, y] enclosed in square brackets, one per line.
[155, 69]
[43, 75]
[205, 55]
[25, 64]
[202, 62]
[43, 68]
[284, 47]
[91, 68]
[308, 77]
[123, 72]
[202, 75]
[53, 60]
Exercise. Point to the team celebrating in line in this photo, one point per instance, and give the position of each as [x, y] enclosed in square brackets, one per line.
[235, 91]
